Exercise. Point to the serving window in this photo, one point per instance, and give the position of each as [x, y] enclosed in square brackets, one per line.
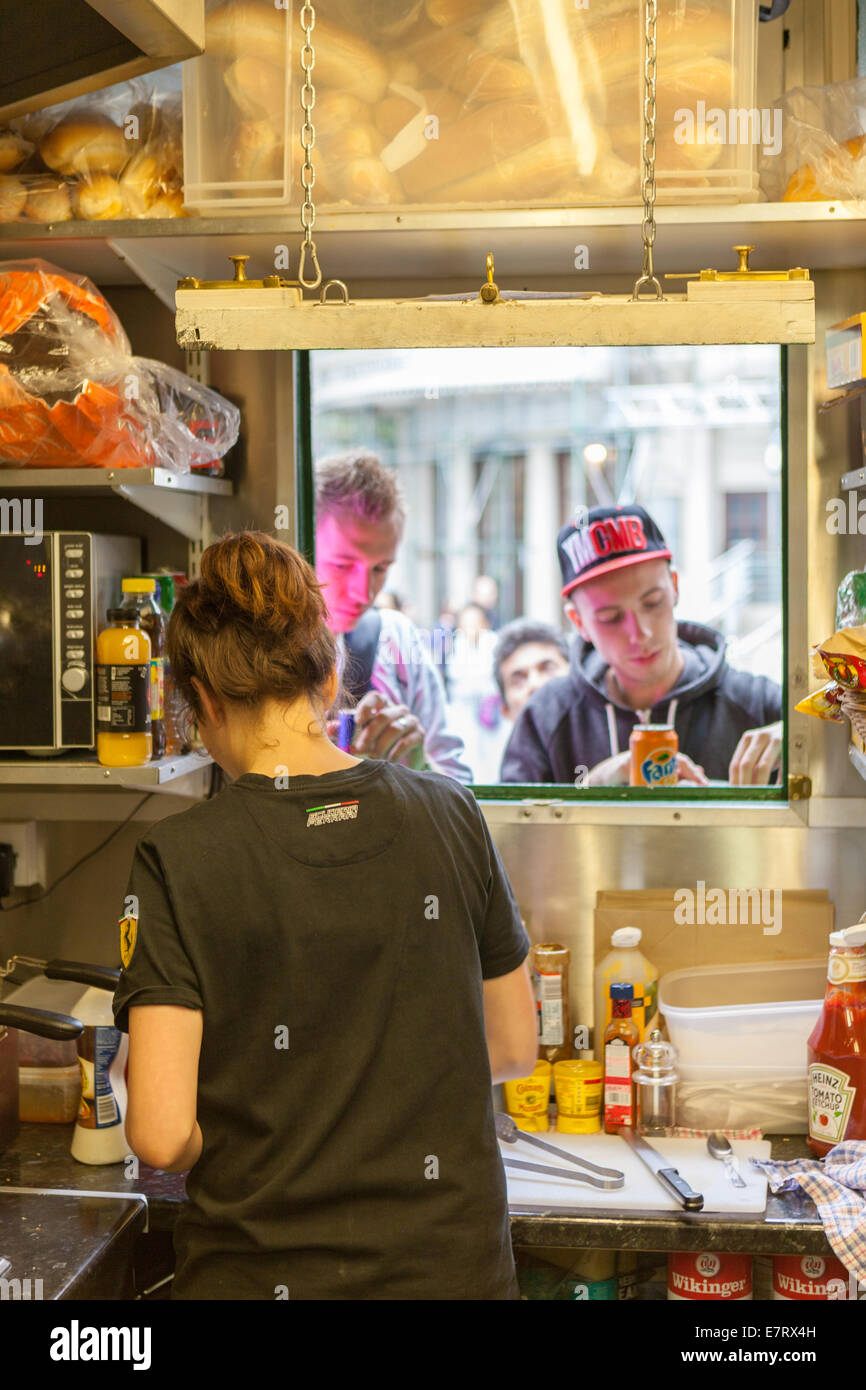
[495, 450]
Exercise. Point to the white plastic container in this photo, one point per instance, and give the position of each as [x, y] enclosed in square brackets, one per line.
[750, 1016]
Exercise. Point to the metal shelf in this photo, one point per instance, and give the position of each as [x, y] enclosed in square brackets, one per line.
[178, 499]
[443, 245]
[82, 770]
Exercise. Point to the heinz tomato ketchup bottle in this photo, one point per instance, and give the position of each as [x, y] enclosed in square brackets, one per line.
[837, 1047]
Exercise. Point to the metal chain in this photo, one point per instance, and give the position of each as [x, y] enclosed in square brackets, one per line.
[308, 140]
[648, 227]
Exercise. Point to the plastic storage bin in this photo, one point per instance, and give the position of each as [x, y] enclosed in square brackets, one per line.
[48, 1095]
[752, 1017]
[471, 103]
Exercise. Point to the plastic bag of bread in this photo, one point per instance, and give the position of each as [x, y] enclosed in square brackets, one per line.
[455, 102]
[823, 145]
[72, 395]
[110, 155]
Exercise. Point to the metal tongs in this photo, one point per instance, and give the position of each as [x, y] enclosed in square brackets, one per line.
[607, 1178]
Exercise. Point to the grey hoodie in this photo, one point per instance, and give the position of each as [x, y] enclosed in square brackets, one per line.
[572, 722]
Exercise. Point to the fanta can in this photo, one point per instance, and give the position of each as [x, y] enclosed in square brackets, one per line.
[654, 749]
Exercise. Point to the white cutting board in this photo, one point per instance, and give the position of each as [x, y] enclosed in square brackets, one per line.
[642, 1191]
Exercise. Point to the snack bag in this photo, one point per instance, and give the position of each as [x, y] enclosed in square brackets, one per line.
[824, 703]
[843, 657]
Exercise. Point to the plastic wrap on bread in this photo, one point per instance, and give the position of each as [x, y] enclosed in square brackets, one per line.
[72, 395]
[467, 103]
[822, 145]
[113, 154]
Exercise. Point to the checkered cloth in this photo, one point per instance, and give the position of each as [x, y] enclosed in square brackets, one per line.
[837, 1186]
[680, 1133]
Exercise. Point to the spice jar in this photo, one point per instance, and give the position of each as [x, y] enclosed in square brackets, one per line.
[656, 1082]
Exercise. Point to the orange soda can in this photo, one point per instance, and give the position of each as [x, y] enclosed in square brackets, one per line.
[654, 749]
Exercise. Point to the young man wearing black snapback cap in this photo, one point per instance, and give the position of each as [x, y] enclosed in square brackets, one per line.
[632, 663]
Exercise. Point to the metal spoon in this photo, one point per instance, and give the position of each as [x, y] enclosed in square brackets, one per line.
[720, 1148]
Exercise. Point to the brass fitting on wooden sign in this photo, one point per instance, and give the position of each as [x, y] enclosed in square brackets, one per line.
[240, 281]
[489, 292]
[742, 272]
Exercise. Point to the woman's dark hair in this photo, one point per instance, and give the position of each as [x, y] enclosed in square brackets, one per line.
[251, 626]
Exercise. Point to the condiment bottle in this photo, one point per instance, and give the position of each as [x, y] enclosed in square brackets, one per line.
[99, 1135]
[620, 1038]
[140, 596]
[625, 963]
[837, 1047]
[550, 978]
[123, 737]
[655, 1084]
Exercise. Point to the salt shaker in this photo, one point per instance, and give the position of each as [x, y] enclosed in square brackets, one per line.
[656, 1084]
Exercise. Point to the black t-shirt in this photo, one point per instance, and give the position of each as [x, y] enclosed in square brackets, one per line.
[335, 932]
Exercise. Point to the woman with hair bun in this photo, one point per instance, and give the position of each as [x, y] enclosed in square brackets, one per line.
[324, 973]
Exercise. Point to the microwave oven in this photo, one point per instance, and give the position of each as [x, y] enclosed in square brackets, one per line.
[54, 596]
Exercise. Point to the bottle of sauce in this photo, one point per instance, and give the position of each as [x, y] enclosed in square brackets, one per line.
[625, 963]
[140, 596]
[123, 737]
[550, 962]
[837, 1047]
[620, 1036]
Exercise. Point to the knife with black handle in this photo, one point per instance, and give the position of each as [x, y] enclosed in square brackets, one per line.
[670, 1179]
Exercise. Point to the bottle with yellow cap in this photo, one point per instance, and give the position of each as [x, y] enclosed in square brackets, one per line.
[123, 737]
[140, 596]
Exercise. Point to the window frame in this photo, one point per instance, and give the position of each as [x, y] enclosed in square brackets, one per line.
[638, 805]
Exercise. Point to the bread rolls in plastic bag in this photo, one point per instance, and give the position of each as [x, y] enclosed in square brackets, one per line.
[823, 145]
[112, 154]
[72, 395]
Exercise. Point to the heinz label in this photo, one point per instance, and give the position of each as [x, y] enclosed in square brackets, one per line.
[831, 1096]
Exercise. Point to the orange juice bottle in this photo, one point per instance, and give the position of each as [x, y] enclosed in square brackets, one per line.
[123, 737]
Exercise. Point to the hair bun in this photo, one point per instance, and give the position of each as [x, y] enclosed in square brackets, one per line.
[251, 577]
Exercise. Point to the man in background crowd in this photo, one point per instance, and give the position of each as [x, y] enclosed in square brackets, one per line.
[360, 516]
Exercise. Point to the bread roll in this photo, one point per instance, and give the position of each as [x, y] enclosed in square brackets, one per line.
[684, 84]
[476, 140]
[350, 142]
[258, 88]
[13, 196]
[240, 28]
[99, 199]
[257, 153]
[85, 143]
[533, 172]
[448, 12]
[403, 70]
[48, 202]
[393, 112]
[614, 29]
[168, 204]
[347, 63]
[14, 149]
[458, 62]
[141, 182]
[366, 182]
[334, 110]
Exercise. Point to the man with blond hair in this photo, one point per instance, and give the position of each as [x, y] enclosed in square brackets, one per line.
[401, 714]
